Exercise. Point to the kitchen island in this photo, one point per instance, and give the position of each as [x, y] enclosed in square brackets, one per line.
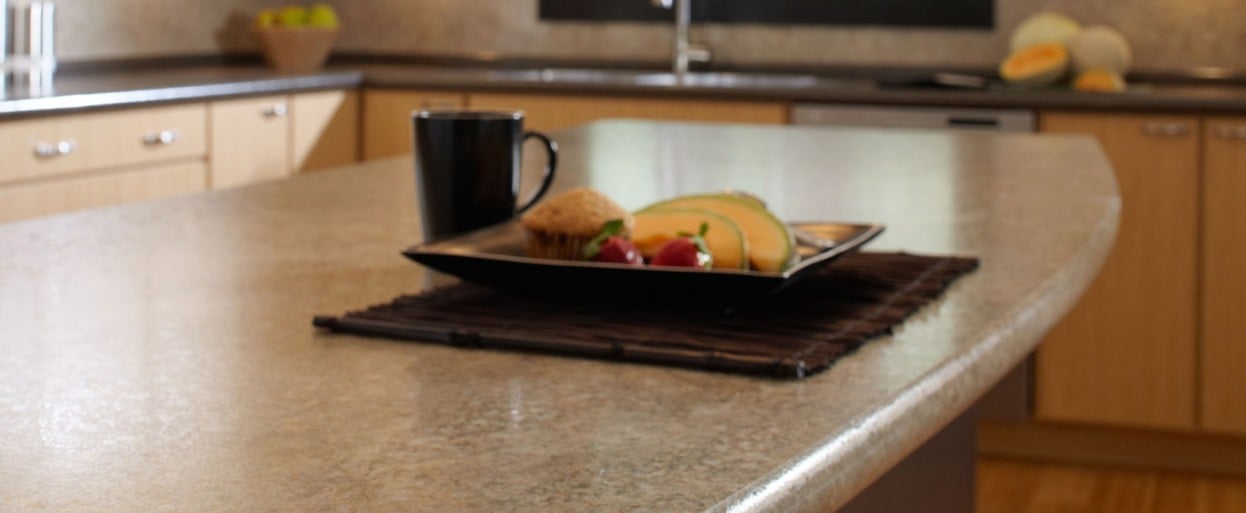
[161, 355]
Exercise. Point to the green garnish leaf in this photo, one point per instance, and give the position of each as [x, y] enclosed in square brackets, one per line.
[698, 240]
[609, 229]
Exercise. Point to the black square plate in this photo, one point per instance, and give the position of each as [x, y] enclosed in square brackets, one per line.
[494, 257]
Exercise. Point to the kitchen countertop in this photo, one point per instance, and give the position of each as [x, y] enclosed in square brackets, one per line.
[127, 87]
[161, 355]
[74, 92]
[857, 88]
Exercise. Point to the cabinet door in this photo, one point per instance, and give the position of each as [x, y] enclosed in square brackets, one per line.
[250, 141]
[387, 118]
[1126, 353]
[23, 201]
[1224, 276]
[325, 129]
[553, 112]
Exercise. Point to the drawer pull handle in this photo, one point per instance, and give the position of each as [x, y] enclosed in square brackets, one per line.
[1235, 132]
[275, 110]
[1166, 129]
[161, 138]
[47, 150]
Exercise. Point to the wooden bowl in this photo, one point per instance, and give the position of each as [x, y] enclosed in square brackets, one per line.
[297, 49]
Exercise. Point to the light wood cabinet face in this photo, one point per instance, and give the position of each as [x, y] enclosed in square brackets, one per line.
[69, 162]
[49, 147]
[250, 141]
[387, 118]
[554, 112]
[325, 129]
[1223, 376]
[22, 201]
[1126, 354]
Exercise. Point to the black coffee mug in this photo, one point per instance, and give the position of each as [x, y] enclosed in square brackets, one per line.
[468, 168]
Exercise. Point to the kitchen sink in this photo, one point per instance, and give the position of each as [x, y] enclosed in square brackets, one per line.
[660, 79]
[569, 75]
[728, 79]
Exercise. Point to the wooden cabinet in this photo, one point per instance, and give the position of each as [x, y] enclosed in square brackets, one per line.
[44, 148]
[325, 129]
[63, 163]
[1223, 358]
[26, 200]
[1126, 354]
[387, 113]
[552, 112]
[387, 118]
[272, 137]
[250, 141]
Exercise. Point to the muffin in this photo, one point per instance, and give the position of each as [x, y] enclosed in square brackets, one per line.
[561, 226]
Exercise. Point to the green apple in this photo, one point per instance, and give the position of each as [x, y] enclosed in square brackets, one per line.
[292, 16]
[322, 15]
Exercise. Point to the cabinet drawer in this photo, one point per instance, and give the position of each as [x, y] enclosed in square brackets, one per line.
[39, 148]
[23, 201]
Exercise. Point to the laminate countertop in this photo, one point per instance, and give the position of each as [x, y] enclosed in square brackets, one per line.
[161, 356]
[119, 88]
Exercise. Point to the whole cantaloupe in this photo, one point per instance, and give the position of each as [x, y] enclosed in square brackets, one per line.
[1037, 65]
[1100, 48]
[1044, 27]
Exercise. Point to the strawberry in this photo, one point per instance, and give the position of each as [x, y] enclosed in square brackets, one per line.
[608, 246]
[687, 250]
[619, 251]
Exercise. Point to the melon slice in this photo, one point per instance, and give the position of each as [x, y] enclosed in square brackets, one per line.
[771, 246]
[726, 242]
[1099, 81]
[1039, 65]
[1044, 27]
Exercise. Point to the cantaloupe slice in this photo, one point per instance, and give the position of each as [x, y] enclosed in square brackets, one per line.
[1099, 81]
[725, 240]
[1039, 65]
[771, 246]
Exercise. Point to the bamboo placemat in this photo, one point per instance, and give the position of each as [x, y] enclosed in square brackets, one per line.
[798, 333]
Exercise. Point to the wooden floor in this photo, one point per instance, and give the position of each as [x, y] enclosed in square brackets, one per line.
[1015, 486]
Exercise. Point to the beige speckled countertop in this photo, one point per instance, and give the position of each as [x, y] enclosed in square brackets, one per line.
[160, 356]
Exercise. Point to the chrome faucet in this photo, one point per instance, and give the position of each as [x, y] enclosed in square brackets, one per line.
[684, 52]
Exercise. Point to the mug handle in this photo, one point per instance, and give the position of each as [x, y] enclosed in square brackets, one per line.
[551, 149]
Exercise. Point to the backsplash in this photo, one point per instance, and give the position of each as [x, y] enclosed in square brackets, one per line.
[1166, 35]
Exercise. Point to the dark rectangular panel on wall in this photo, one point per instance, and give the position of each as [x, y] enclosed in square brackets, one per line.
[903, 13]
[603, 10]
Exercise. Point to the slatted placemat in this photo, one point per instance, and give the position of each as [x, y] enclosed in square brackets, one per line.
[795, 334]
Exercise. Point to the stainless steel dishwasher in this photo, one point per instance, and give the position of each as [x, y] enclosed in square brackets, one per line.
[945, 118]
